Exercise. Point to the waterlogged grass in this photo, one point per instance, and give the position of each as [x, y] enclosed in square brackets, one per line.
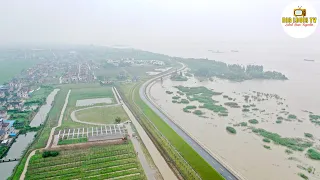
[303, 176]
[314, 119]
[278, 121]
[198, 112]
[295, 144]
[169, 92]
[231, 130]
[243, 124]
[232, 104]
[176, 97]
[292, 116]
[184, 101]
[308, 135]
[313, 154]
[72, 141]
[253, 121]
[245, 110]
[267, 147]
[180, 93]
[203, 95]
[288, 151]
[266, 140]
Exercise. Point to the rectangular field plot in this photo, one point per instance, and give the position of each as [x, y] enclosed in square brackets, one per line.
[90, 102]
[100, 162]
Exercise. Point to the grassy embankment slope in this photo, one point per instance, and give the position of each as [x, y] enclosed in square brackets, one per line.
[145, 114]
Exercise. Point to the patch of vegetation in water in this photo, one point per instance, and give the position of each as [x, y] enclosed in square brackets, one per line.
[246, 106]
[288, 151]
[292, 116]
[174, 101]
[303, 176]
[253, 121]
[296, 144]
[231, 130]
[203, 95]
[243, 124]
[313, 154]
[266, 140]
[180, 93]
[176, 97]
[225, 96]
[223, 114]
[169, 92]
[178, 77]
[232, 104]
[278, 121]
[255, 109]
[308, 135]
[314, 119]
[198, 112]
[184, 101]
[245, 110]
[280, 118]
[186, 110]
[267, 147]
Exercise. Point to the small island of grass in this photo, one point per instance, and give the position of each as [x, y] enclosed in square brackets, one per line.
[288, 151]
[314, 119]
[231, 130]
[266, 140]
[178, 77]
[198, 112]
[176, 97]
[253, 121]
[313, 154]
[278, 121]
[169, 92]
[232, 104]
[267, 147]
[245, 110]
[292, 116]
[308, 135]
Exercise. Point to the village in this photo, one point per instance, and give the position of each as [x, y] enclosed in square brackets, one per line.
[17, 106]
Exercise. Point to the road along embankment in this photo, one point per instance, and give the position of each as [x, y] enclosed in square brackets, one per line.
[213, 159]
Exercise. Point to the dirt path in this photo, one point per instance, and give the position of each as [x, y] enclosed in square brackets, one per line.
[75, 119]
[159, 161]
[50, 137]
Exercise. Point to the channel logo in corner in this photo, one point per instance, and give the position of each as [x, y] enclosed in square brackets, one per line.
[299, 19]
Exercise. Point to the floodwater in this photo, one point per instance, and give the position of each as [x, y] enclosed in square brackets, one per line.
[40, 117]
[90, 102]
[15, 151]
[244, 152]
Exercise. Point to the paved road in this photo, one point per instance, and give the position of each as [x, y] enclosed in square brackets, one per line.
[143, 160]
[194, 144]
[158, 160]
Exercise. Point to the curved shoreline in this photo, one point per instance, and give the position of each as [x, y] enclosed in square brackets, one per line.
[213, 159]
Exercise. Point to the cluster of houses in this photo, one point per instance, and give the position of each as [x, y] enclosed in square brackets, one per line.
[133, 62]
[78, 72]
[13, 95]
[7, 132]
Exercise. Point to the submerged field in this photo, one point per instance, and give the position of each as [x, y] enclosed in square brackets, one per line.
[102, 162]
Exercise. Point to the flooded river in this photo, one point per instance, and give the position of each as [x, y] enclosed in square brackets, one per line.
[244, 152]
[43, 111]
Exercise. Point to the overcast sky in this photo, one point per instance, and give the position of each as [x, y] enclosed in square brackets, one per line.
[142, 23]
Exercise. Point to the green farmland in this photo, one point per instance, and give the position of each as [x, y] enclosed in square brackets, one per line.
[101, 162]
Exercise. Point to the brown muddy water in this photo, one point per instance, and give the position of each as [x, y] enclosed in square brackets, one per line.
[244, 152]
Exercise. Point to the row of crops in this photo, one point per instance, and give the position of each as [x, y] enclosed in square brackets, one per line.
[104, 162]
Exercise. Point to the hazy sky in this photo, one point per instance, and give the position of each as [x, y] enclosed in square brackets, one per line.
[142, 23]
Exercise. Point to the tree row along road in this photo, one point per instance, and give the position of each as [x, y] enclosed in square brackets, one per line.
[213, 160]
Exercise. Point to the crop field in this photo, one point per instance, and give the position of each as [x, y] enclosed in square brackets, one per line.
[100, 162]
